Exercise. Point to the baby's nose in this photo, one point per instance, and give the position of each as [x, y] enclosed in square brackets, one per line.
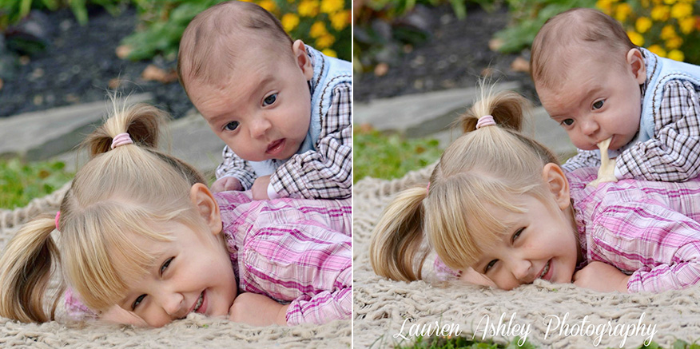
[589, 127]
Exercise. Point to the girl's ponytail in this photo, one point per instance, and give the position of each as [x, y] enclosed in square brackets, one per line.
[395, 246]
[508, 109]
[26, 270]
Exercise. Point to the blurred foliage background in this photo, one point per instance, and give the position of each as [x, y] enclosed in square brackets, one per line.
[669, 28]
[323, 24]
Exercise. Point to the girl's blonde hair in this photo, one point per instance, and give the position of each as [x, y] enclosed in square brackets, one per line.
[119, 194]
[478, 172]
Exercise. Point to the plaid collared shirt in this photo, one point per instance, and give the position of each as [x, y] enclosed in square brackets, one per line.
[322, 174]
[292, 250]
[673, 153]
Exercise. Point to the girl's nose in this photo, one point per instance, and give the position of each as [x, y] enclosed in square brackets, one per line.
[173, 304]
[521, 269]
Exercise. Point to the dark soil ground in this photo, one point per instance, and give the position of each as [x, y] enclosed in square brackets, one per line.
[78, 65]
[455, 56]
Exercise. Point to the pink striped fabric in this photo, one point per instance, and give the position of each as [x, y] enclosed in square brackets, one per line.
[647, 229]
[292, 250]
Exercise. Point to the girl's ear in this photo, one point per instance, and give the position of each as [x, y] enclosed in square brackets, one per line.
[207, 207]
[636, 62]
[302, 59]
[558, 185]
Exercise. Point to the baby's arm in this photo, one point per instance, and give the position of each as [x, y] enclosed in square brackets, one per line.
[234, 166]
[673, 154]
[327, 172]
[584, 158]
[660, 247]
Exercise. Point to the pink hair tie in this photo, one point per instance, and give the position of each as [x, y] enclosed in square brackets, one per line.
[486, 120]
[58, 215]
[427, 189]
[121, 139]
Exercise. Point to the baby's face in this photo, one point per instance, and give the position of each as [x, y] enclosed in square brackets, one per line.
[537, 244]
[193, 273]
[263, 110]
[596, 101]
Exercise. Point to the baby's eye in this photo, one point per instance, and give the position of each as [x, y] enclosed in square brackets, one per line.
[232, 126]
[567, 122]
[490, 265]
[165, 265]
[598, 104]
[138, 301]
[270, 99]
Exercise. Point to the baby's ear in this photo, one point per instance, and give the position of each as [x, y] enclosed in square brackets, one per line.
[557, 184]
[302, 59]
[206, 206]
[636, 62]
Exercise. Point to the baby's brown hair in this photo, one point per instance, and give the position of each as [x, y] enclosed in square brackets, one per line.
[211, 41]
[599, 34]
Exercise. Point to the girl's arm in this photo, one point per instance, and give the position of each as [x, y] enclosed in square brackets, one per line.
[658, 246]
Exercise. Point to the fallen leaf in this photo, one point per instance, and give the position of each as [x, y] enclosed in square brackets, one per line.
[123, 51]
[487, 72]
[366, 128]
[381, 69]
[520, 65]
[114, 83]
[495, 44]
[153, 73]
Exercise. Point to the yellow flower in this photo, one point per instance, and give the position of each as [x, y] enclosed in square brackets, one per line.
[308, 8]
[605, 6]
[643, 24]
[676, 55]
[636, 38]
[660, 13]
[623, 10]
[340, 20]
[268, 5]
[325, 41]
[681, 10]
[331, 6]
[668, 32]
[669, 2]
[674, 43]
[658, 50]
[687, 24]
[330, 53]
[317, 30]
[289, 22]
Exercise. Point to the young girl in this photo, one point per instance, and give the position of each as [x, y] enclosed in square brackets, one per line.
[500, 208]
[142, 240]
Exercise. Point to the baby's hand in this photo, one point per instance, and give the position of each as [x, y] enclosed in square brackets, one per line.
[259, 188]
[226, 184]
[258, 310]
[601, 277]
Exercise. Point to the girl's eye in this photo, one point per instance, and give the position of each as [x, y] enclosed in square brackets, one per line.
[490, 265]
[516, 235]
[567, 122]
[138, 301]
[165, 265]
[270, 99]
[232, 126]
[598, 104]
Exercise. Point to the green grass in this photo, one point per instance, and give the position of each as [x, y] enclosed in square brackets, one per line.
[21, 182]
[390, 156]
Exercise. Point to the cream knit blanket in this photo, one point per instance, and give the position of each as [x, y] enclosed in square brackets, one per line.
[385, 310]
[194, 332]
